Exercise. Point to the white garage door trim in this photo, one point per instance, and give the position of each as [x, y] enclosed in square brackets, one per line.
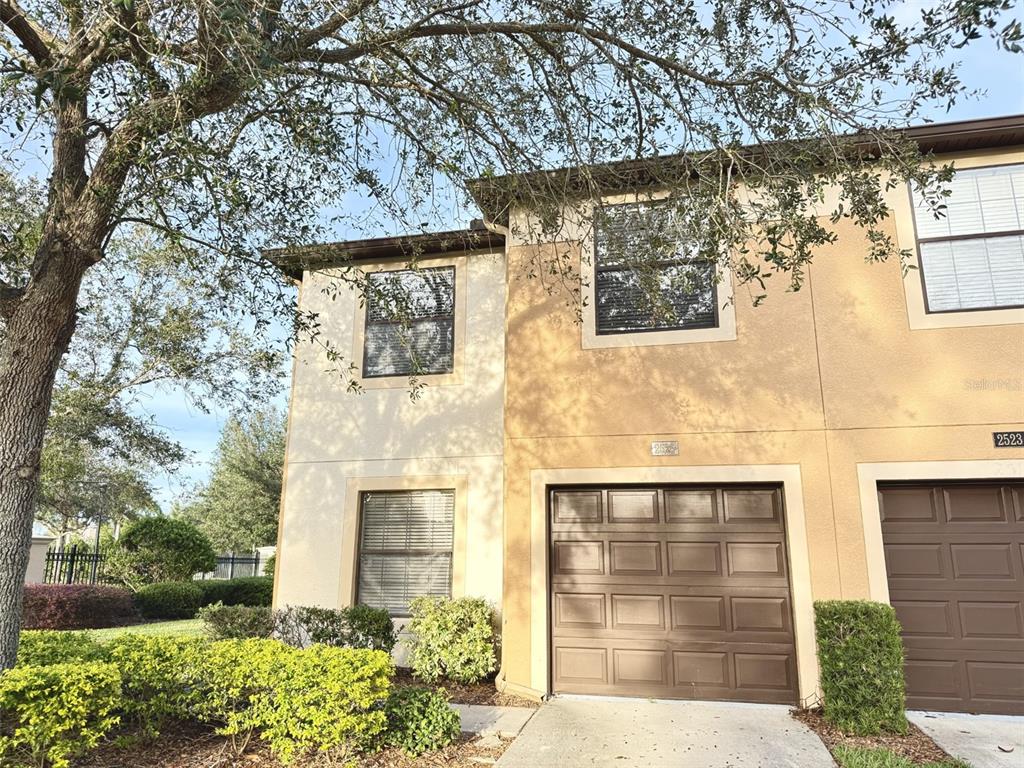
[796, 539]
[870, 474]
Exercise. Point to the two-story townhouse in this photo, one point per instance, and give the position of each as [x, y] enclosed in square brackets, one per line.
[654, 508]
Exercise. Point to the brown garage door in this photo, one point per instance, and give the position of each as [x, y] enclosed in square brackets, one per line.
[956, 579]
[671, 592]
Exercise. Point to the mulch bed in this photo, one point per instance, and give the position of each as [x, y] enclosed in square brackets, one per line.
[483, 692]
[189, 745]
[916, 746]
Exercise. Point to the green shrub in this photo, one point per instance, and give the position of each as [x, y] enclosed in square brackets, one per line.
[46, 646]
[864, 757]
[162, 677]
[325, 700]
[301, 625]
[451, 639]
[358, 626]
[169, 600]
[369, 628]
[237, 675]
[247, 590]
[228, 622]
[320, 699]
[156, 549]
[270, 565]
[420, 720]
[53, 713]
[861, 660]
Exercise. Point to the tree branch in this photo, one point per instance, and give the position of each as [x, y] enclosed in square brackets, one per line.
[37, 41]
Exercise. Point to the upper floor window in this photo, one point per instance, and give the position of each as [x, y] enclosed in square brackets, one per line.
[973, 257]
[644, 279]
[410, 322]
[405, 547]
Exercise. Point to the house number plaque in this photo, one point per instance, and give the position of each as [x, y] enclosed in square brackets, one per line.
[664, 448]
[999, 439]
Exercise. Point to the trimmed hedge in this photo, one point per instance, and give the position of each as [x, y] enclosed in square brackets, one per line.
[162, 677]
[358, 626]
[246, 590]
[169, 600]
[56, 712]
[861, 658]
[76, 606]
[237, 622]
[452, 639]
[42, 647]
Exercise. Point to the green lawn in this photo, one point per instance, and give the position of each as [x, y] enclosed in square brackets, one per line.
[192, 627]
[859, 757]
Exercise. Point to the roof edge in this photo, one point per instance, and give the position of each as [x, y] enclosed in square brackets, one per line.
[294, 261]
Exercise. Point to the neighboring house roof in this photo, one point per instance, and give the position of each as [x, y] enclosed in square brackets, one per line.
[495, 195]
[321, 256]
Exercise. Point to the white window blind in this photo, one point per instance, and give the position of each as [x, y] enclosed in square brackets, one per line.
[973, 256]
[644, 281]
[405, 547]
[409, 322]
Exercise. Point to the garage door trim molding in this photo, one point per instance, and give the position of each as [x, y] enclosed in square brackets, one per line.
[796, 539]
[869, 475]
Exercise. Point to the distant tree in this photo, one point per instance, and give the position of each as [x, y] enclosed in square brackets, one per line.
[159, 549]
[238, 507]
[82, 487]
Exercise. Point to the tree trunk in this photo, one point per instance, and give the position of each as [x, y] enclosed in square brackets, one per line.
[36, 336]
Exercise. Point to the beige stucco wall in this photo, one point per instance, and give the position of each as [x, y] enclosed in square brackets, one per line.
[341, 442]
[839, 375]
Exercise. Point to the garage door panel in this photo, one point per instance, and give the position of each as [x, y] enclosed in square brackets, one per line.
[577, 507]
[635, 558]
[680, 592]
[974, 505]
[632, 506]
[956, 580]
[757, 506]
[691, 506]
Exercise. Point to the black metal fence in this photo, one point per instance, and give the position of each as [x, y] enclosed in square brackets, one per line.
[233, 566]
[74, 566]
[80, 566]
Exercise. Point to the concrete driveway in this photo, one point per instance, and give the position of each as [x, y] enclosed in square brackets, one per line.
[984, 741]
[582, 731]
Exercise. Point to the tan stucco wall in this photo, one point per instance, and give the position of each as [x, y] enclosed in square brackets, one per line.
[340, 442]
[826, 378]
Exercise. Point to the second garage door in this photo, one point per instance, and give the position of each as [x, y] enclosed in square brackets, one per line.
[671, 592]
[954, 553]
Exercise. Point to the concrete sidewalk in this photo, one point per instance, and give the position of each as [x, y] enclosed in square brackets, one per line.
[617, 733]
[984, 741]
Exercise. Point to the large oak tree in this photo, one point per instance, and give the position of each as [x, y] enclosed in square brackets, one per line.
[226, 124]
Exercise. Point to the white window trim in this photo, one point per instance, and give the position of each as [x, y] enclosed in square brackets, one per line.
[906, 235]
[590, 339]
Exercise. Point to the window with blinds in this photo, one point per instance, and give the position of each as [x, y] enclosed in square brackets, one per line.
[405, 547]
[973, 256]
[410, 322]
[644, 280]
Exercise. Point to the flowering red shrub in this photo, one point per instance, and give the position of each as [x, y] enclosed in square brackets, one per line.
[76, 606]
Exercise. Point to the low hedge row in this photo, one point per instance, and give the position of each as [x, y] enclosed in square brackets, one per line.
[183, 599]
[76, 606]
[81, 606]
[335, 702]
[861, 659]
[358, 626]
